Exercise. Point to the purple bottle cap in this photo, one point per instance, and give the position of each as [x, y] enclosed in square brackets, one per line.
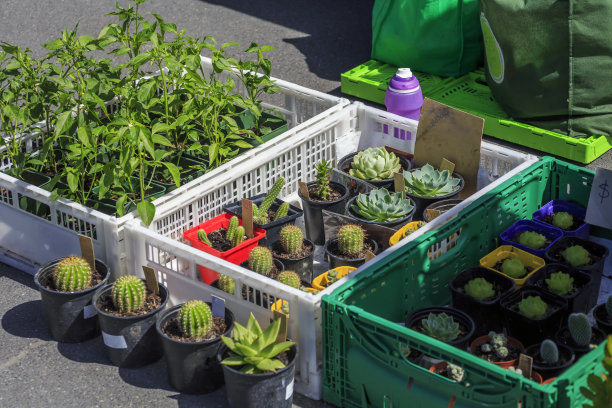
[403, 81]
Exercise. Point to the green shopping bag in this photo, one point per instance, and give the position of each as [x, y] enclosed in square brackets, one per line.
[441, 37]
[549, 62]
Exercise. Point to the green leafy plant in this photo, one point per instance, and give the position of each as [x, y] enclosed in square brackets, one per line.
[532, 239]
[549, 351]
[580, 329]
[533, 307]
[382, 206]
[72, 274]
[560, 283]
[375, 163]
[514, 268]
[254, 350]
[599, 390]
[289, 278]
[128, 294]
[563, 220]
[479, 288]
[323, 169]
[291, 239]
[350, 239]
[440, 326]
[260, 260]
[576, 256]
[195, 319]
[429, 182]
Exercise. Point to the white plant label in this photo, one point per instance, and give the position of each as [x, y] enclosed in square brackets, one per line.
[113, 341]
[218, 306]
[289, 390]
[89, 311]
[599, 209]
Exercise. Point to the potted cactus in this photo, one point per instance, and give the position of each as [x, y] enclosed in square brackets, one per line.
[602, 314]
[255, 366]
[295, 252]
[451, 371]
[292, 279]
[446, 324]
[512, 262]
[381, 208]
[269, 212]
[531, 236]
[579, 336]
[375, 165]
[564, 215]
[498, 349]
[349, 247]
[260, 261]
[427, 185]
[477, 292]
[549, 358]
[567, 282]
[323, 194]
[66, 288]
[535, 376]
[190, 337]
[223, 237]
[127, 311]
[330, 277]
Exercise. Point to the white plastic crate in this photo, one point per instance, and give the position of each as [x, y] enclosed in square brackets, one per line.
[161, 246]
[28, 241]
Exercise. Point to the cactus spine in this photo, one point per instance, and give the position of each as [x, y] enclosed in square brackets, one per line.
[549, 351]
[282, 211]
[291, 239]
[580, 328]
[350, 239]
[203, 237]
[128, 293]
[226, 284]
[260, 260]
[231, 229]
[238, 236]
[72, 274]
[195, 319]
[289, 278]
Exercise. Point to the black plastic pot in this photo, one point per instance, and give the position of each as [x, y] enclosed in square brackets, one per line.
[530, 331]
[344, 165]
[459, 316]
[313, 216]
[600, 315]
[255, 295]
[563, 336]
[550, 370]
[423, 202]
[130, 341]
[442, 206]
[269, 390]
[302, 266]
[337, 260]
[579, 300]
[272, 228]
[70, 316]
[393, 224]
[193, 367]
[485, 313]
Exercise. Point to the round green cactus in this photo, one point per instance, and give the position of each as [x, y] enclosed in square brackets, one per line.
[226, 284]
[576, 256]
[289, 278]
[291, 239]
[195, 319]
[375, 163]
[260, 260]
[563, 220]
[128, 293]
[231, 229]
[72, 274]
[514, 268]
[533, 307]
[580, 328]
[479, 288]
[350, 239]
[560, 283]
[549, 351]
[532, 239]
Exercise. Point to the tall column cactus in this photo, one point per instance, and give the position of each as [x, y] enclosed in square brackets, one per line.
[72, 274]
[260, 214]
[202, 237]
[231, 228]
[282, 211]
[322, 179]
[128, 293]
[238, 236]
[350, 239]
[291, 239]
[260, 260]
[195, 319]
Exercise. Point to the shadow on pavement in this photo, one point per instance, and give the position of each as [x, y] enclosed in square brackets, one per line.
[90, 351]
[26, 320]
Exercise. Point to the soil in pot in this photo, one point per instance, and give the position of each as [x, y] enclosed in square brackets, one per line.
[550, 370]
[218, 240]
[301, 263]
[337, 258]
[602, 318]
[564, 337]
[313, 216]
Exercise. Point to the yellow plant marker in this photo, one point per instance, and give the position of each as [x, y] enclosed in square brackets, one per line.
[87, 251]
[447, 165]
[432, 213]
[400, 184]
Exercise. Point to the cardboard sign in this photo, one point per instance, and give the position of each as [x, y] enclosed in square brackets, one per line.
[449, 133]
[304, 189]
[599, 209]
[525, 364]
[218, 306]
[447, 165]
[87, 251]
[152, 284]
[399, 184]
[282, 331]
[432, 213]
[369, 255]
[247, 217]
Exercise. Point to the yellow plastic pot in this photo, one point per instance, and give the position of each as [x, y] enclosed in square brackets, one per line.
[395, 238]
[320, 282]
[509, 251]
[278, 305]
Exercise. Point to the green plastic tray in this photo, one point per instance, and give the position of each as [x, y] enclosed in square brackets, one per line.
[363, 344]
[471, 93]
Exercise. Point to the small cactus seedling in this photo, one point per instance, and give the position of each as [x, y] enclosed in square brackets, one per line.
[226, 284]
[289, 278]
[128, 293]
[238, 236]
[514, 268]
[195, 319]
[291, 239]
[502, 352]
[560, 283]
[479, 288]
[576, 256]
[563, 220]
[282, 211]
[532, 239]
[72, 274]
[549, 351]
[498, 345]
[231, 229]
[202, 237]
[533, 307]
[350, 239]
[260, 260]
[580, 329]
[454, 372]
[609, 305]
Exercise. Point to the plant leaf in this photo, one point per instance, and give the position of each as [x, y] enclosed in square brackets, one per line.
[234, 361]
[270, 365]
[174, 171]
[146, 211]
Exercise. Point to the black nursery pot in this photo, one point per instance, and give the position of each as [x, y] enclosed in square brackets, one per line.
[313, 215]
[193, 367]
[255, 296]
[272, 228]
[578, 301]
[442, 206]
[600, 314]
[550, 370]
[563, 336]
[527, 330]
[344, 165]
[70, 316]
[268, 390]
[459, 316]
[485, 313]
[393, 224]
[130, 341]
[423, 202]
[337, 260]
[302, 266]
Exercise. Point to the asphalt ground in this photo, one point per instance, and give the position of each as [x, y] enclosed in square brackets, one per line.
[314, 42]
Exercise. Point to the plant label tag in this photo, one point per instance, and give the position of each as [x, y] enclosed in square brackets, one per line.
[247, 217]
[369, 255]
[87, 251]
[89, 311]
[525, 364]
[600, 200]
[289, 390]
[304, 189]
[399, 184]
[447, 165]
[218, 306]
[112, 341]
[432, 214]
[282, 331]
[152, 284]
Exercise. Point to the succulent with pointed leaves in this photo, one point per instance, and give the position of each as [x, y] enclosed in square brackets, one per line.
[514, 268]
[560, 283]
[563, 220]
[576, 256]
[533, 307]
[532, 239]
[440, 326]
[479, 288]
[382, 206]
[429, 182]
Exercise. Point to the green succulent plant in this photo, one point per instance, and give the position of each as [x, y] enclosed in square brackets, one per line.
[440, 326]
[289, 278]
[202, 237]
[454, 372]
[479, 288]
[382, 206]
[226, 284]
[291, 239]
[599, 391]
[497, 344]
[128, 293]
[549, 351]
[254, 350]
[532, 239]
[560, 283]
[374, 163]
[429, 182]
[323, 169]
[580, 329]
[195, 319]
[350, 239]
[514, 268]
[563, 220]
[260, 260]
[533, 307]
[72, 274]
[576, 256]
[332, 277]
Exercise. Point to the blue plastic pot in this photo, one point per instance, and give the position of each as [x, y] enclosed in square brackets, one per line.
[552, 234]
[554, 206]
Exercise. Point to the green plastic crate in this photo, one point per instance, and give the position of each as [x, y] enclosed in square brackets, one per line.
[363, 365]
[471, 93]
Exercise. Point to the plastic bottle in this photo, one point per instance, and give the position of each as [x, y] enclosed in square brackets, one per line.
[404, 96]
